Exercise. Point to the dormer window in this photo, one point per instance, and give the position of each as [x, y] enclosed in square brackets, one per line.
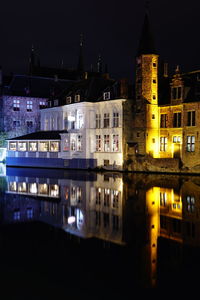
[68, 100]
[77, 98]
[55, 102]
[176, 93]
[106, 96]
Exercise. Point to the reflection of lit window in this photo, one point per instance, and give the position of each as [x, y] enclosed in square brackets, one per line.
[43, 188]
[66, 145]
[190, 203]
[54, 146]
[33, 188]
[115, 199]
[73, 144]
[22, 187]
[16, 215]
[22, 146]
[29, 213]
[163, 199]
[98, 195]
[79, 142]
[13, 186]
[80, 218]
[54, 190]
[44, 146]
[12, 146]
[106, 197]
[32, 146]
[79, 194]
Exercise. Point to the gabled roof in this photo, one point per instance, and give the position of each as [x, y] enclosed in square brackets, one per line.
[40, 135]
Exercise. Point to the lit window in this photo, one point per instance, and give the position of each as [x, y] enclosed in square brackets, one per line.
[54, 146]
[163, 144]
[115, 142]
[106, 96]
[33, 146]
[77, 98]
[191, 118]
[33, 188]
[176, 139]
[12, 146]
[79, 143]
[16, 105]
[54, 190]
[16, 215]
[68, 100]
[80, 121]
[43, 146]
[98, 143]
[106, 120]
[98, 121]
[163, 199]
[190, 143]
[43, 189]
[13, 186]
[106, 142]
[73, 144]
[71, 121]
[22, 146]
[190, 204]
[22, 187]
[42, 104]
[115, 119]
[29, 105]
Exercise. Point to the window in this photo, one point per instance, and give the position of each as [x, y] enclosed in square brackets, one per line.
[33, 146]
[154, 80]
[115, 195]
[42, 104]
[54, 146]
[115, 143]
[98, 121]
[16, 105]
[73, 144]
[163, 120]
[98, 195]
[12, 146]
[80, 120]
[16, 123]
[191, 118]
[29, 213]
[79, 142]
[77, 98]
[43, 189]
[115, 119]
[106, 120]
[43, 146]
[106, 96]
[54, 190]
[153, 117]
[71, 121]
[33, 188]
[98, 143]
[106, 143]
[154, 97]
[16, 215]
[68, 100]
[55, 102]
[29, 105]
[106, 162]
[191, 143]
[22, 146]
[22, 187]
[29, 123]
[66, 145]
[176, 93]
[177, 119]
[106, 197]
[176, 139]
[154, 65]
[163, 144]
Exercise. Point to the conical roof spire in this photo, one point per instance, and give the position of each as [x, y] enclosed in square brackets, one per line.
[80, 66]
[146, 45]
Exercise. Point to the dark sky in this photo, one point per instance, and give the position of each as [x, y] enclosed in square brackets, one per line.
[110, 27]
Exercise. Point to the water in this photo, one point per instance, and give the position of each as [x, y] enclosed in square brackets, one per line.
[88, 234]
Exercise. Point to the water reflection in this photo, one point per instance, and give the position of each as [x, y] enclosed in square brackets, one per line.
[124, 209]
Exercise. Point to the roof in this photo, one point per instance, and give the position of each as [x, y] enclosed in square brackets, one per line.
[41, 135]
[33, 86]
[146, 44]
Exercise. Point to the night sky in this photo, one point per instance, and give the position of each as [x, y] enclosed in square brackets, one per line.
[110, 27]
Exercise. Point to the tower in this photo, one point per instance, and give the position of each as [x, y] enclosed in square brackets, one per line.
[80, 67]
[146, 105]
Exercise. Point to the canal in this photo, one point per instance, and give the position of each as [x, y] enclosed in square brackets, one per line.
[86, 234]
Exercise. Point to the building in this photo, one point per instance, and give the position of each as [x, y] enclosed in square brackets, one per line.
[83, 128]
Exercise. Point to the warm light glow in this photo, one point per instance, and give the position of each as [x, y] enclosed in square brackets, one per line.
[71, 220]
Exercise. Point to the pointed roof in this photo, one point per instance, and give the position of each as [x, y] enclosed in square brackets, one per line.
[146, 45]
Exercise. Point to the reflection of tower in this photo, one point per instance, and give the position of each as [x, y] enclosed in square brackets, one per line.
[153, 228]
[147, 92]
